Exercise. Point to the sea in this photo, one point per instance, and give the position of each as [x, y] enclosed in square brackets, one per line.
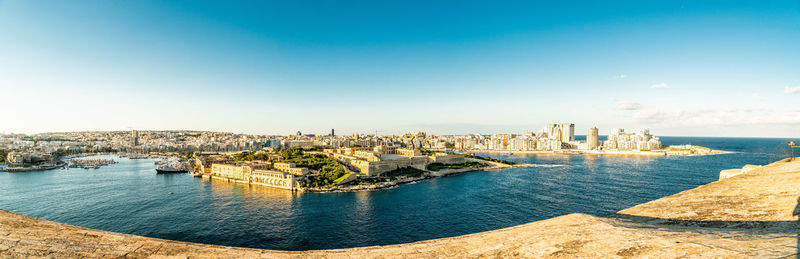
[129, 197]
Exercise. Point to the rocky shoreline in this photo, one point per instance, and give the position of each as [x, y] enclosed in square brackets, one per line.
[679, 150]
[58, 164]
[408, 180]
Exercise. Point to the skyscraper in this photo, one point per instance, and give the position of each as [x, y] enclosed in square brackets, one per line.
[551, 131]
[332, 133]
[593, 138]
[134, 138]
[567, 132]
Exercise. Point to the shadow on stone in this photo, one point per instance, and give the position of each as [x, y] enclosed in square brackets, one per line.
[738, 230]
[796, 212]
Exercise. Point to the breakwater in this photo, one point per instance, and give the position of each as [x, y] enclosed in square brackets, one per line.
[87, 163]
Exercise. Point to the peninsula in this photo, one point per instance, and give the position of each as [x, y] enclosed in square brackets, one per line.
[342, 169]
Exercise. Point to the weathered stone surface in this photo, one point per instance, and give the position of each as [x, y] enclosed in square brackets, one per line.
[749, 215]
[768, 193]
[734, 172]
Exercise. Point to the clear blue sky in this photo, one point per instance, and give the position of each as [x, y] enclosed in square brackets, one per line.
[696, 68]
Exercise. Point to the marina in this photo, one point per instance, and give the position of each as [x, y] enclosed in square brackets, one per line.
[90, 163]
[138, 156]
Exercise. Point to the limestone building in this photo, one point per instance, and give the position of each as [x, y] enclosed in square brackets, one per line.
[593, 138]
[279, 175]
[372, 163]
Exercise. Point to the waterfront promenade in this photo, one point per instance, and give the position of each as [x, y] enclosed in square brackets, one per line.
[748, 215]
[682, 150]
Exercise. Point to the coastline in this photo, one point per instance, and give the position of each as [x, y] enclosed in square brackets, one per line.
[57, 165]
[687, 150]
[61, 162]
[748, 215]
[407, 180]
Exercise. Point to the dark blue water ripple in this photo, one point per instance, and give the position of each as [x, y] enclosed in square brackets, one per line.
[130, 198]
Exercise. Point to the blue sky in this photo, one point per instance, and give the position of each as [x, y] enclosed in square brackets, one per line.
[681, 68]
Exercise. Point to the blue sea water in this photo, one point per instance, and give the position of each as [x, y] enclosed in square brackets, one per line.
[129, 197]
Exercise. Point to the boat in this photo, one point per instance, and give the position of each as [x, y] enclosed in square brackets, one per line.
[170, 170]
[171, 166]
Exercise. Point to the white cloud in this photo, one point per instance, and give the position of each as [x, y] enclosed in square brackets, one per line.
[759, 97]
[628, 106]
[792, 90]
[622, 76]
[659, 86]
[712, 120]
[714, 117]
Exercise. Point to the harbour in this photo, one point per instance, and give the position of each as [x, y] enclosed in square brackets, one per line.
[657, 228]
[271, 218]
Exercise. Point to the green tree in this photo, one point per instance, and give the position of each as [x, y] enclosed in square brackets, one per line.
[189, 154]
[290, 153]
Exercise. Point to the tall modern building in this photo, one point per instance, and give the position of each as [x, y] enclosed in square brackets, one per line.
[593, 138]
[551, 131]
[134, 138]
[567, 132]
[332, 133]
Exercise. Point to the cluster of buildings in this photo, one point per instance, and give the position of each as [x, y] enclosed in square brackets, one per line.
[372, 161]
[63, 143]
[364, 161]
[266, 173]
[18, 159]
[640, 140]
[197, 141]
[550, 138]
[365, 155]
[22, 161]
[556, 137]
[368, 152]
[410, 140]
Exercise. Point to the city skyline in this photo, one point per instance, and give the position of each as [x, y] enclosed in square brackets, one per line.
[678, 68]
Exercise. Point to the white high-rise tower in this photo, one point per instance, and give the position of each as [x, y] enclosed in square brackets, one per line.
[593, 138]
